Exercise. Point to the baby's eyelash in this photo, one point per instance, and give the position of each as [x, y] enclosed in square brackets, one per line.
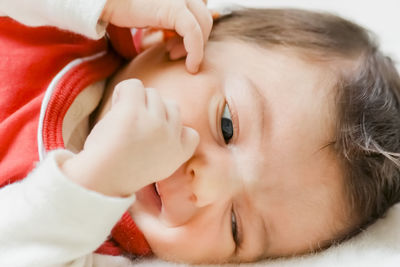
[234, 227]
[232, 119]
[227, 127]
[235, 119]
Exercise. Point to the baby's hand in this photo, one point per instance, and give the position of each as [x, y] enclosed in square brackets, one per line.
[189, 18]
[140, 140]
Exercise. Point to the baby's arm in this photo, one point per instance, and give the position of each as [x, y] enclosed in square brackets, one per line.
[74, 15]
[47, 220]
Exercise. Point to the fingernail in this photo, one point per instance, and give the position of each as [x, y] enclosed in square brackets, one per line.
[194, 69]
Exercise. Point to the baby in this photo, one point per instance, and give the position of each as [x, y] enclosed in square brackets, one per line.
[283, 141]
[298, 118]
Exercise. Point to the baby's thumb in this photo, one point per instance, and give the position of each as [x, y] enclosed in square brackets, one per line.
[126, 91]
[190, 140]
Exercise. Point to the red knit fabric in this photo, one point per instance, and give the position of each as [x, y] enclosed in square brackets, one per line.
[123, 42]
[30, 58]
[125, 237]
[110, 247]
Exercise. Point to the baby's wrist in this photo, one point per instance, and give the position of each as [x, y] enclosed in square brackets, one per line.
[83, 172]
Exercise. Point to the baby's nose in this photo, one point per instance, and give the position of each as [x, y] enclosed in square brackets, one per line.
[178, 200]
[213, 183]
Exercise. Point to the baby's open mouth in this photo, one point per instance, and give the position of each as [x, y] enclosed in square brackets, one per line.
[149, 198]
[156, 196]
[156, 189]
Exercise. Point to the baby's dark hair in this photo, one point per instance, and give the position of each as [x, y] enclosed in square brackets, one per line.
[367, 98]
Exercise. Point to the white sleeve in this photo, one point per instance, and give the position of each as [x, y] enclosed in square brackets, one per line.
[79, 16]
[48, 220]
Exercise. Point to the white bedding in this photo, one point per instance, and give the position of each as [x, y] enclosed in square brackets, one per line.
[379, 245]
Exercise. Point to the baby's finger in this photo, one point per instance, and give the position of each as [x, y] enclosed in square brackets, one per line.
[193, 58]
[189, 29]
[155, 104]
[203, 16]
[129, 92]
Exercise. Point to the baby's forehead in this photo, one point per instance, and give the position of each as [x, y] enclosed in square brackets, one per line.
[249, 52]
[273, 66]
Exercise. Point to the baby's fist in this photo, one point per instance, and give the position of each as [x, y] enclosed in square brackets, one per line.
[139, 141]
[154, 128]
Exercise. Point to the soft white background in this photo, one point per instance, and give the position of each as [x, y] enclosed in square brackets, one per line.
[380, 16]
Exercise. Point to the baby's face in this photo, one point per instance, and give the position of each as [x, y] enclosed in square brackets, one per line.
[266, 184]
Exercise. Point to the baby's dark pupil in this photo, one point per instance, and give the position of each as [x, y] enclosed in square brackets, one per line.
[227, 129]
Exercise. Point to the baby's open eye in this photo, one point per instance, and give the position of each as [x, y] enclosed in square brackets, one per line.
[226, 124]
